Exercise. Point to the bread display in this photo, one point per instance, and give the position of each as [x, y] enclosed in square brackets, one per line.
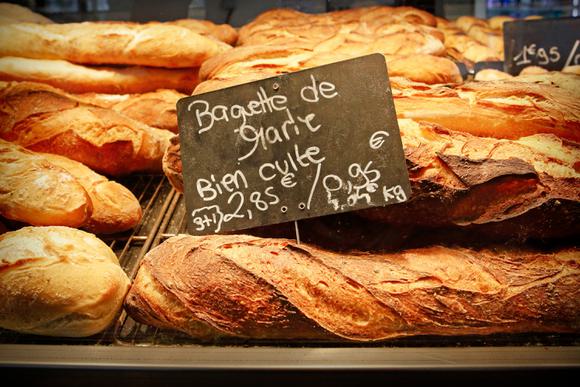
[49, 190]
[76, 78]
[13, 13]
[48, 120]
[158, 45]
[58, 281]
[37, 192]
[157, 109]
[486, 243]
[247, 287]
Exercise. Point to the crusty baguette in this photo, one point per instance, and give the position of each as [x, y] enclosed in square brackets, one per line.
[43, 189]
[37, 192]
[45, 119]
[115, 208]
[77, 78]
[157, 109]
[58, 281]
[13, 13]
[246, 287]
[519, 189]
[158, 45]
[280, 19]
[250, 63]
[503, 109]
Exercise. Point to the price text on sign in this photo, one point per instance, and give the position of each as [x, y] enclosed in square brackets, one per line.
[552, 44]
[299, 145]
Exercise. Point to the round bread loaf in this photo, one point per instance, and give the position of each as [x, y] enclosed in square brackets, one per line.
[58, 281]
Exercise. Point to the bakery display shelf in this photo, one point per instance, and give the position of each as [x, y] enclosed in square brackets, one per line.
[131, 345]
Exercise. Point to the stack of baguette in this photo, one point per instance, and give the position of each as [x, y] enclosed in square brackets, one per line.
[109, 57]
[494, 166]
[282, 40]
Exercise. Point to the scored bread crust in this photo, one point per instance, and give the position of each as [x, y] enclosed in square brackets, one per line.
[76, 78]
[281, 18]
[157, 45]
[503, 109]
[156, 109]
[247, 287]
[38, 192]
[43, 189]
[45, 119]
[58, 281]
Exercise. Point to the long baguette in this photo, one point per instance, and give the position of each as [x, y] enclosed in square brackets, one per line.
[247, 287]
[48, 120]
[526, 188]
[502, 109]
[158, 45]
[77, 78]
[43, 189]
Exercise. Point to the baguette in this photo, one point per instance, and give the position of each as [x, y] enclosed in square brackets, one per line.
[249, 63]
[58, 281]
[48, 120]
[518, 189]
[246, 287]
[504, 109]
[158, 45]
[13, 13]
[157, 109]
[38, 192]
[279, 19]
[77, 78]
[42, 189]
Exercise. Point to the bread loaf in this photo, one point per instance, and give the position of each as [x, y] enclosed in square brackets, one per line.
[281, 19]
[77, 78]
[502, 109]
[44, 189]
[460, 180]
[13, 13]
[158, 45]
[45, 119]
[157, 109]
[37, 192]
[246, 287]
[58, 281]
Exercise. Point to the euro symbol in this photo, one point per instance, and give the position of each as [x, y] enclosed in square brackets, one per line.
[378, 139]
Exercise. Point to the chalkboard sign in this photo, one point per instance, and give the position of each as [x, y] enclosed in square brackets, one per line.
[552, 44]
[310, 143]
